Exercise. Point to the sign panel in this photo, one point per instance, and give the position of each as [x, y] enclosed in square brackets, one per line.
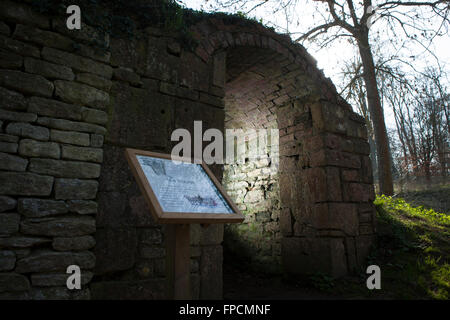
[181, 192]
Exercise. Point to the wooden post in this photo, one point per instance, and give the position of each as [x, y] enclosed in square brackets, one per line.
[178, 261]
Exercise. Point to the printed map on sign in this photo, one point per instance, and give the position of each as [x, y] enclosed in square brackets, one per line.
[182, 187]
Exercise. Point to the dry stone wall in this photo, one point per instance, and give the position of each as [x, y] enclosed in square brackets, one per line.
[52, 127]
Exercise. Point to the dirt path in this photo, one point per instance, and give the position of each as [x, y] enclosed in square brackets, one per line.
[239, 285]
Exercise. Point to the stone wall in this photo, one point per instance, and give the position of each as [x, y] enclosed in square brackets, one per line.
[327, 215]
[69, 108]
[254, 187]
[156, 90]
[52, 126]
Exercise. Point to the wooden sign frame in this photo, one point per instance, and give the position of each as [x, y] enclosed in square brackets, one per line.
[178, 217]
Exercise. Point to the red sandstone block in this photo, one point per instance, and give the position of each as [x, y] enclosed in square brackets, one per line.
[288, 164]
[286, 222]
[282, 99]
[350, 175]
[358, 192]
[202, 53]
[342, 216]
[365, 217]
[332, 141]
[290, 148]
[230, 39]
[287, 138]
[365, 229]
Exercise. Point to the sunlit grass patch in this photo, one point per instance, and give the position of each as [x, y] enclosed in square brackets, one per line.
[414, 254]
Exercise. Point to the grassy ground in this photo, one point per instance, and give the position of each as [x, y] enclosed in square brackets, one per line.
[412, 251]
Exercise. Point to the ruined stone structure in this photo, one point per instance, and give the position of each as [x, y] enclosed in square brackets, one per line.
[68, 110]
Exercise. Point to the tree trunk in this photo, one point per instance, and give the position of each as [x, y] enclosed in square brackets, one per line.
[377, 116]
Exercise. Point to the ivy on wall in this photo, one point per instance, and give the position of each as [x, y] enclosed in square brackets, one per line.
[122, 18]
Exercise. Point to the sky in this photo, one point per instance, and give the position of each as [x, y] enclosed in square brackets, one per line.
[331, 58]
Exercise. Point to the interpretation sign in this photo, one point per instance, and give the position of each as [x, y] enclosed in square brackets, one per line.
[181, 191]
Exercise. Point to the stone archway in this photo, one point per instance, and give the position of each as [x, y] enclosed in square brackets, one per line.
[314, 212]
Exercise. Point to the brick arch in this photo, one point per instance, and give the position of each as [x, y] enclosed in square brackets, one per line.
[314, 211]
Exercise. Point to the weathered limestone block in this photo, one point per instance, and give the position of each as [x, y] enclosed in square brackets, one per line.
[19, 47]
[9, 223]
[96, 140]
[76, 62]
[82, 154]
[94, 81]
[94, 116]
[22, 242]
[67, 125]
[112, 206]
[59, 293]
[127, 74]
[43, 37]
[7, 203]
[17, 116]
[13, 282]
[58, 226]
[75, 189]
[80, 93]
[27, 130]
[132, 124]
[150, 84]
[77, 138]
[48, 70]
[152, 236]
[53, 108]
[73, 244]
[7, 260]
[47, 261]
[27, 83]
[10, 162]
[8, 147]
[152, 252]
[9, 60]
[82, 206]
[26, 184]
[57, 279]
[211, 100]
[254, 196]
[115, 249]
[22, 252]
[22, 13]
[4, 29]
[65, 169]
[33, 148]
[11, 100]
[176, 90]
[35, 208]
